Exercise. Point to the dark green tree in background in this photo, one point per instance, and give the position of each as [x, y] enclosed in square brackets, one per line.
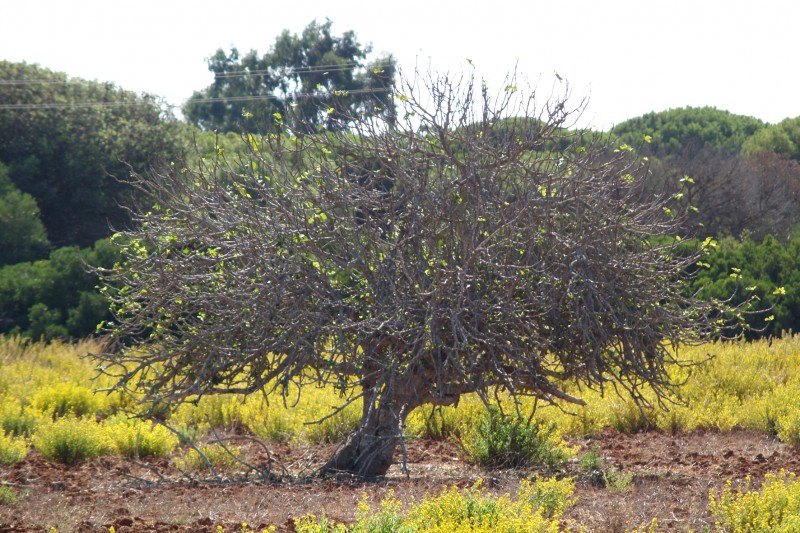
[741, 172]
[65, 140]
[55, 297]
[683, 131]
[782, 138]
[315, 79]
[22, 237]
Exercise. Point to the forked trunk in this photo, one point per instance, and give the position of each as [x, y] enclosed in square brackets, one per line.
[369, 451]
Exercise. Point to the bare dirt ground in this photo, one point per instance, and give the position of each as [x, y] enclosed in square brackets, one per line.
[672, 477]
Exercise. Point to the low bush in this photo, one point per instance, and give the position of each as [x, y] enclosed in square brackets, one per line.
[8, 496]
[309, 417]
[70, 440]
[136, 438]
[12, 449]
[63, 399]
[503, 441]
[441, 423]
[15, 420]
[773, 509]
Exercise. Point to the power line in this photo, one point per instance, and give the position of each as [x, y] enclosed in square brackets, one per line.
[312, 69]
[42, 81]
[68, 105]
[273, 97]
[247, 98]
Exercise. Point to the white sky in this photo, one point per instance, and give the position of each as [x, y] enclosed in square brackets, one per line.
[628, 56]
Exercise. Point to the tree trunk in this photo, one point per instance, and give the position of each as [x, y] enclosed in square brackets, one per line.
[369, 451]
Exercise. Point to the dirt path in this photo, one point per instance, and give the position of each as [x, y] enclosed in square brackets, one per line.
[672, 476]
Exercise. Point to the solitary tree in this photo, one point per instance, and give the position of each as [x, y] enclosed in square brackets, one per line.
[321, 77]
[475, 243]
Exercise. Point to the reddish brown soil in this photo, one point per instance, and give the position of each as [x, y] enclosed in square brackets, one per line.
[673, 475]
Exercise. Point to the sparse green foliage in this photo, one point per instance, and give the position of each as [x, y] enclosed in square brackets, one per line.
[220, 457]
[8, 495]
[617, 480]
[591, 461]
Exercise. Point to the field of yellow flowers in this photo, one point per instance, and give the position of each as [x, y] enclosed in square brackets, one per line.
[53, 424]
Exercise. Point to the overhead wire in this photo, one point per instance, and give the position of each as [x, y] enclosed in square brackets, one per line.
[294, 70]
[67, 105]
[311, 69]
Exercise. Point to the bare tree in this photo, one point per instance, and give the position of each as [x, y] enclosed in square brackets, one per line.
[732, 193]
[477, 243]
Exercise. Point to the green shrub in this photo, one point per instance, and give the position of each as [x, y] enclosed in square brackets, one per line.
[773, 509]
[499, 440]
[12, 449]
[551, 497]
[8, 496]
[591, 461]
[136, 438]
[617, 480]
[475, 511]
[17, 421]
[70, 440]
[627, 417]
[217, 411]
